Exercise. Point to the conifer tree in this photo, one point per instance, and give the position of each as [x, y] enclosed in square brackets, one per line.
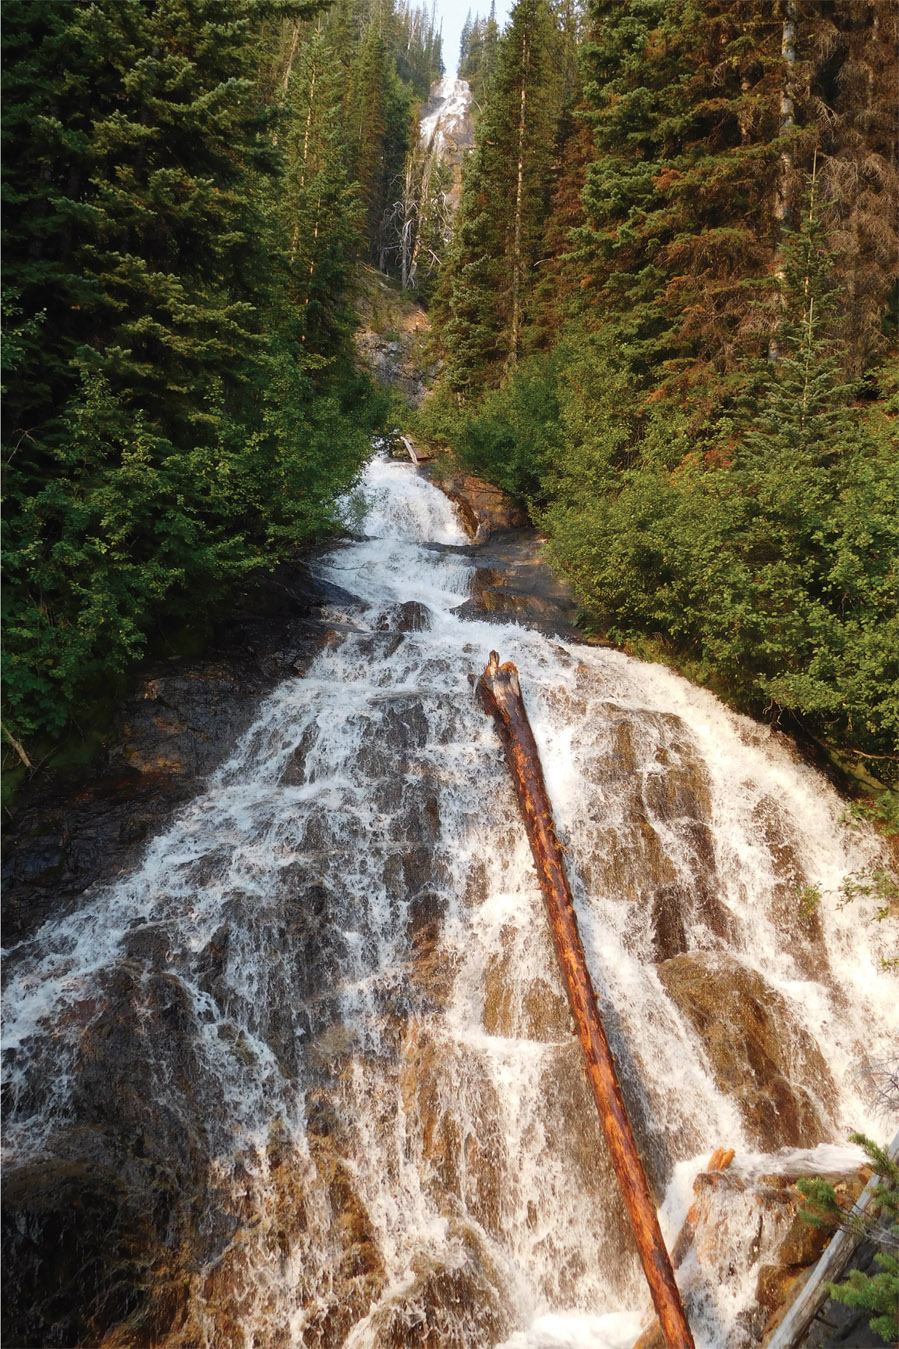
[164, 428]
[878, 1293]
[464, 43]
[504, 204]
[706, 115]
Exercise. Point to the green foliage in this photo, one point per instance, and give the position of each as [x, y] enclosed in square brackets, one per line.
[760, 544]
[382, 58]
[181, 403]
[492, 271]
[513, 438]
[478, 51]
[717, 487]
[873, 883]
[883, 811]
[875, 1293]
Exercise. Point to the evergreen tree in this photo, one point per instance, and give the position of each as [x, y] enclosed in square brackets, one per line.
[373, 46]
[706, 115]
[319, 202]
[877, 1293]
[464, 43]
[504, 204]
[166, 426]
[478, 54]
[859, 163]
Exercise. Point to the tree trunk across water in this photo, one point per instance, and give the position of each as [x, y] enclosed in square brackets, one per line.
[501, 694]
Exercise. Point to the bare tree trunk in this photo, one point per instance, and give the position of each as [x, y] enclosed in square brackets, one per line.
[787, 122]
[18, 747]
[308, 127]
[293, 51]
[311, 272]
[719, 1161]
[519, 204]
[501, 693]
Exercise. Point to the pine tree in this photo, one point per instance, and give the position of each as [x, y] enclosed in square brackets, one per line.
[147, 450]
[465, 43]
[707, 115]
[859, 163]
[504, 204]
[319, 202]
[877, 1294]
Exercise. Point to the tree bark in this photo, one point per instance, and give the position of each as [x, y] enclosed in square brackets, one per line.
[519, 206]
[501, 694]
[720, 1160]
[787, 122]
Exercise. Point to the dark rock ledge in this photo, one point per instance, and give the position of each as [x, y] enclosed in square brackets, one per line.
[75, 829]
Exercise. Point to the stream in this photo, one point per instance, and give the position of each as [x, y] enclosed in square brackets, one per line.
[307, 1076]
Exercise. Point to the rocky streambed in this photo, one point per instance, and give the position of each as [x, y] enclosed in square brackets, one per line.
[298, 1068]
[73, 829]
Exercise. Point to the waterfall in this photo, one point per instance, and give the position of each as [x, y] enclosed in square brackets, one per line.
[446, 119]
[307, 1077]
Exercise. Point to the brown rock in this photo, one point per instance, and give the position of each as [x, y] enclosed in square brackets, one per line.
[773, 1284]
[483, 507]
[756, 1051]
[449, 1306]
[803, 1243]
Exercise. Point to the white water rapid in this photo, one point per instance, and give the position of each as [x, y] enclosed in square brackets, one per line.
[447, 123]
[329, 989]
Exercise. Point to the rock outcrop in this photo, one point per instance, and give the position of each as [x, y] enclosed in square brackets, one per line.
[756, 1050]
[391, 341]
[72, 830]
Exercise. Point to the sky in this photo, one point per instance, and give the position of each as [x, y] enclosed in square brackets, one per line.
[453, 13]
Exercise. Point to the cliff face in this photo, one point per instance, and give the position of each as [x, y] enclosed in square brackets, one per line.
[392, 335]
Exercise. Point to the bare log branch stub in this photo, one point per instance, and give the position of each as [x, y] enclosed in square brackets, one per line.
[500, 693]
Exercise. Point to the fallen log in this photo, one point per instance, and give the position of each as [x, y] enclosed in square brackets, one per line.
[833, 1262]
[501, 695]
[410, 449]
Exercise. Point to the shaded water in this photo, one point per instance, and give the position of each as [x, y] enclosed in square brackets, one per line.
[307, 1076]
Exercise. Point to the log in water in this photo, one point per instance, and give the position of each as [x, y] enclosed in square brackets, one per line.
[501, 693]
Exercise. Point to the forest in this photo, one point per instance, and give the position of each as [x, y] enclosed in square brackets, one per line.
[669, 326]
[188, 186]
[664, 319]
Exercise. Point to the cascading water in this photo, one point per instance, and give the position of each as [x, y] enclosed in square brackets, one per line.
[447, 118]
[309, 1073]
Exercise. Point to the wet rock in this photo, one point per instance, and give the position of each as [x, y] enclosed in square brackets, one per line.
[451, 1306]
[483, 508]
[118, 1197]
[773, 1284]
[74, 828]
[756, 1051]
[669, 935]
[409, 617]
[656, 851]
[533, 1010]
[571, 1123]
[782, 1275]
[515, 584]
[799, 926]
[392, 335]
[80, 1213]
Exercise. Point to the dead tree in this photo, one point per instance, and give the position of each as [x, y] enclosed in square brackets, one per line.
[501, 694]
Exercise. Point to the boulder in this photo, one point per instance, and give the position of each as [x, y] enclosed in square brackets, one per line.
[756, 1050]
